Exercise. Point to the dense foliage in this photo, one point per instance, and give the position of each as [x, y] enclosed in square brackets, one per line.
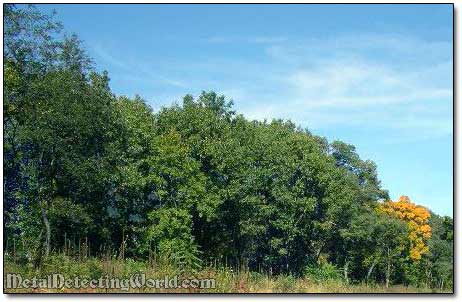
[195, 182]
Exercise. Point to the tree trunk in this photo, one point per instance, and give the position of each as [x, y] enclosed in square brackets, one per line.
[345, 271]
[47, 230]
[42, 202]
[369, 272]
[318, 253]
[387, 277]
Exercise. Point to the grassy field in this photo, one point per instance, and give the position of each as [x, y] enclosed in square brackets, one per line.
[226, 280]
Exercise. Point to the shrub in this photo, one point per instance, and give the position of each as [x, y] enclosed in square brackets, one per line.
[323, 272]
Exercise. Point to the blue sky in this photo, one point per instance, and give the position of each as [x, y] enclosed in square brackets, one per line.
[376, 76]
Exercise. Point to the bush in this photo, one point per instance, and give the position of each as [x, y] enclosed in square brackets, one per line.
[324, 272]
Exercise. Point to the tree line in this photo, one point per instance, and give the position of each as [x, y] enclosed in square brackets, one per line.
[194, 181]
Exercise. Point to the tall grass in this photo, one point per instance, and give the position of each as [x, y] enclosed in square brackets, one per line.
[228, 280]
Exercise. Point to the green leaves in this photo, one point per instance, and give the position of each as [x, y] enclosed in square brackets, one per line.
[170, 233]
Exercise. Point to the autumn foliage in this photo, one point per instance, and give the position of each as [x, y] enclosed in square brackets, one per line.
[417, 219]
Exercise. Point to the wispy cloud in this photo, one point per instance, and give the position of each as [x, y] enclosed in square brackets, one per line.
[108, 58]
[134, 70]
[353, 83]
[247, 40]
[395, 82]
[362, 81]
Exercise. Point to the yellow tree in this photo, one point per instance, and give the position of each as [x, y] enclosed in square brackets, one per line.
[416, 218]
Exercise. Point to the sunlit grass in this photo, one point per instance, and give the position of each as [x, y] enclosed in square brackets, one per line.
[227, 280]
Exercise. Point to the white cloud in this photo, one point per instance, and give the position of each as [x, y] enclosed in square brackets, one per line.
[361, 81]
[244, 39]
[102, 53]
[357, 83]
[135, 71]
[393, 82]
